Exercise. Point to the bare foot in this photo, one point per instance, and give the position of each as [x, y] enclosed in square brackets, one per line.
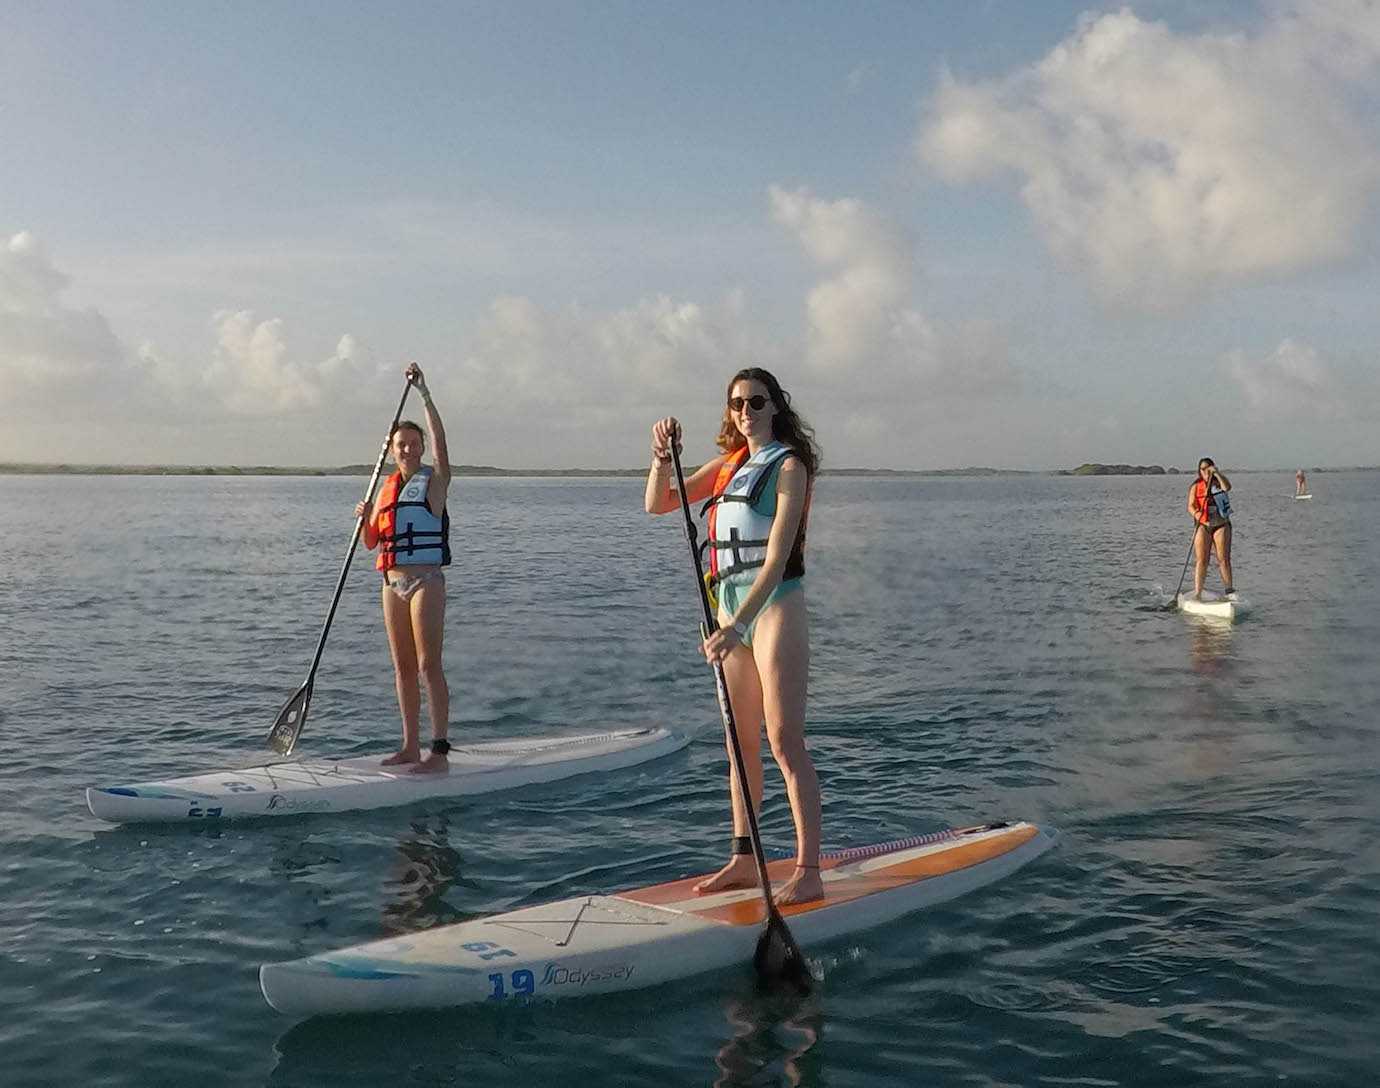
[740, 872]
[803, 887]
[433, 764]
[405, 755]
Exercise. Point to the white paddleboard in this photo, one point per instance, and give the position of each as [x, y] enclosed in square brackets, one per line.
[340, 785]
[597, 944]
[1300, 498]
[1214, 606]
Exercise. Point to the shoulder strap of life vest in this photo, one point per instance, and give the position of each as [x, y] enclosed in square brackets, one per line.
[388, 493]
[732, 463]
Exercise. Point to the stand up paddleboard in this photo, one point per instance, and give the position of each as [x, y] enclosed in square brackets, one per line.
[340, 785]
[1214, 606]
[597, 944]
[1300, 498]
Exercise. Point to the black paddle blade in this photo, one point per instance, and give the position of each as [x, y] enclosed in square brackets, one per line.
[1171, 605]
[779, 962]
[282, 738]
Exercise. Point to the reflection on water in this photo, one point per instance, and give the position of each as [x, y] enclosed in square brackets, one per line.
[773, 1040]
[761, 1038]
[1210, 649]
[986, 647]
[425, 869]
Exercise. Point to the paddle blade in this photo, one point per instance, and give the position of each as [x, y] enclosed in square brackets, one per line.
[779, 962]
[282, 738]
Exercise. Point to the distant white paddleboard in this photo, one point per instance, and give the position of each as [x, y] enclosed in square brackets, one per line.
[597, 944]
[1214, 605]
[1300, 498]
[339, 785]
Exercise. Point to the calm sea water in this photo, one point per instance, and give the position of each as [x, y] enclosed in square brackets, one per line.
[982, 649]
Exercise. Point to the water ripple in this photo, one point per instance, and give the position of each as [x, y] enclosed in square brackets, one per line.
[982, 649]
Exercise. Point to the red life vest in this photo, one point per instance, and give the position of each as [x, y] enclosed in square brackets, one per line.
[409, 533]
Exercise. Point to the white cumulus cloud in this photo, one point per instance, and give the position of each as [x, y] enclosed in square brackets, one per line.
[591, 382]
[252, 371]
[533, 354]
[1292, 382]
[1162, 164]
[51, 354]
[581, 371]
[862, 317]
[63, 362]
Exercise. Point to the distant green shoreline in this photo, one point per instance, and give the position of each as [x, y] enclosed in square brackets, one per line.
[1087, 469]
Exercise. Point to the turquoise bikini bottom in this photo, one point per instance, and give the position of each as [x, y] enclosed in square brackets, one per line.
[731, 595]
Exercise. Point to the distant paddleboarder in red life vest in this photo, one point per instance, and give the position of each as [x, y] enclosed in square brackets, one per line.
[410, 528]
[1300, 483]
[760, 490]
[1211, 510]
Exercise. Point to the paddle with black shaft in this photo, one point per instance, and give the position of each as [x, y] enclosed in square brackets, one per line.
[777, 958]
[1174, 601]
[282, 738]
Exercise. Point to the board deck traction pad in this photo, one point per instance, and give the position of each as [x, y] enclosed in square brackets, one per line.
[309, 769]
[748, 897]
[744, 906]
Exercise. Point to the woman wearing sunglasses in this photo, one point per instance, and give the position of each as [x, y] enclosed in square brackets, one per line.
[759, 496]
[1211, 510]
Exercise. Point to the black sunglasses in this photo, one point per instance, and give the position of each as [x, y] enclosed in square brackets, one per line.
[756, 403]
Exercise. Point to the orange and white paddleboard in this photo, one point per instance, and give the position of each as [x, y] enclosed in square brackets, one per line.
[598, 944]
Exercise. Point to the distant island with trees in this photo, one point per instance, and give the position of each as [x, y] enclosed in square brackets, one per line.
[1092, 468]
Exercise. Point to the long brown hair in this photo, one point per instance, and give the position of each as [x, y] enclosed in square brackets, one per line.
[786, 425]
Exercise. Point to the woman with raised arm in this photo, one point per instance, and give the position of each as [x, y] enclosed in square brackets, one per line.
[410, 527]
[759, 491]
[1211, 510]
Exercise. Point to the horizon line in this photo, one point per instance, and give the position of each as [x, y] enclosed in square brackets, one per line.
[187, 469]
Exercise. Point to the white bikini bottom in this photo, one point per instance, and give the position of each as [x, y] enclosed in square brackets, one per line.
[406, 585]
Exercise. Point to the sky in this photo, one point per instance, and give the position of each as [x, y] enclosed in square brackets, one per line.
[992, 233]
